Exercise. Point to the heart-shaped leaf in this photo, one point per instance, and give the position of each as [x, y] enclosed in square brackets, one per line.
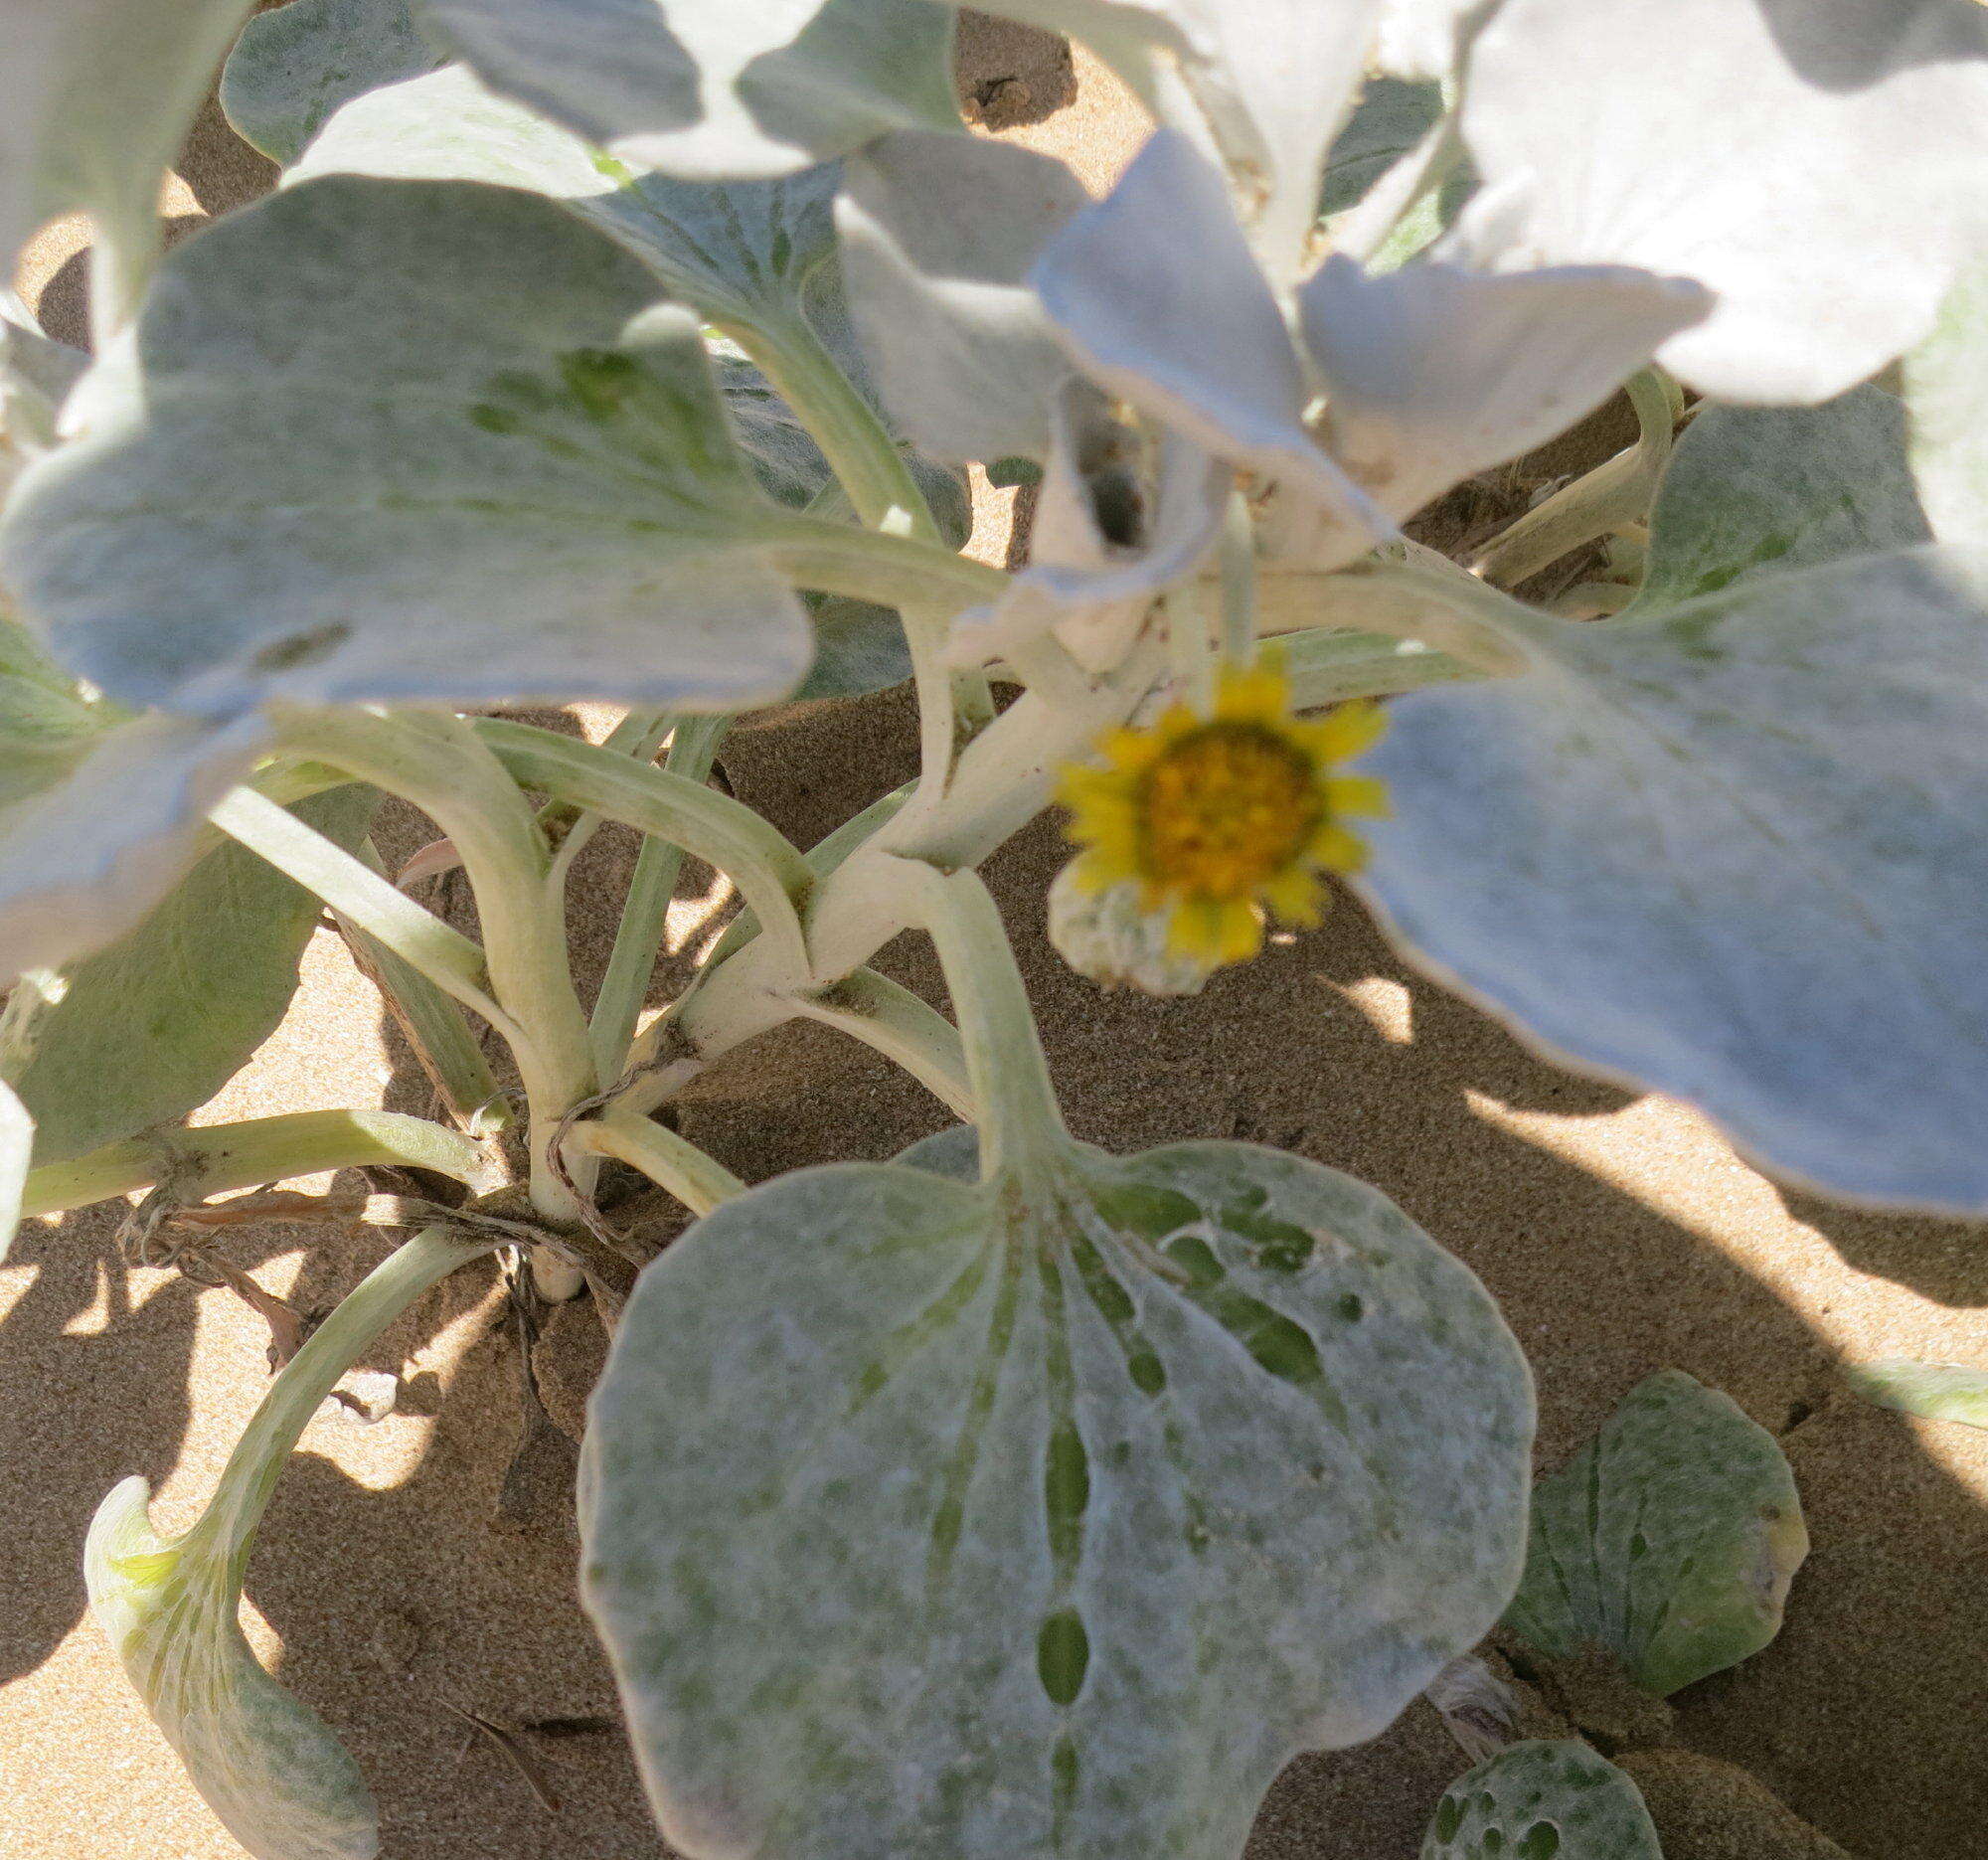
[1730, 850]
[1050, 1515]
[414, 442]
[1765, 490]
[151, 1027]
[710, 89]
[294, 68]
[1670, 1539]
[1542, 1800]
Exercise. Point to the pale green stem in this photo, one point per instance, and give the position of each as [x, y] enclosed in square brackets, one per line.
[227, 1156]
[1237, 557]
[860, 451]
[639, 734]
[711, 826]
[1020, 1121]
[1416, 593]
[1004, 779]
[432, 1025]
[882, 1014]
[874, 564]
[698, 1180]
[1190, 645]
[1330, 665]
[356, 892]
[822, 858]
[631, 966]
[227, 1527]
[1617, 492]
[883, 492]
[437, 762]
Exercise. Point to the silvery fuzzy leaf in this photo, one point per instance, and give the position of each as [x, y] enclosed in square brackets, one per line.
[1273, 80]
[94, 98]
[1730, 850]
[1831, 174]
[1542, 1800]
[444, 125]
[86, 853]
[1439, 370]
[1946, 400]
[294, 68]
[938, 234]
[262, 1759]
[710, 90]
[1157, 296]
[1932, 1391]
[152, 1026]
[267, 1766]
[1276, 78]
[1039, 1522]
[36, 376]
[444, 451]
[1753, 492]
[1669, 1540]
[740, 251]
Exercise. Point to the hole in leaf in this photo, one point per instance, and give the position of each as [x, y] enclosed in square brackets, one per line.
[1352, 1307]
[1542, 1842]
[1063, 1652]
[1449, 1818]
[1639, 1546]
[1493, 1842]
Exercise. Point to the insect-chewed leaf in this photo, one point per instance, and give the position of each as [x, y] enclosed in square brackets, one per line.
[1932, 1391]
[1730, 850]
[1045, 1516]
[711, 88]
[1670, 1539]
[1757, 490]
[264, 1760]
[1542, 1800]
[294, 68]
[405, 442]
[151, 1027]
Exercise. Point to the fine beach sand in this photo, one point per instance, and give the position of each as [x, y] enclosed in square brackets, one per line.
[1620, 1234]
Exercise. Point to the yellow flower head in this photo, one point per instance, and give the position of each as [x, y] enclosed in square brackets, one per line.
[1218, 817]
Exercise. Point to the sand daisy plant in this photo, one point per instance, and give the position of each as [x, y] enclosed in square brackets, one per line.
[1222, 817]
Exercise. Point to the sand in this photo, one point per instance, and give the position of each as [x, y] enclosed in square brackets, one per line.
[1621, 1234]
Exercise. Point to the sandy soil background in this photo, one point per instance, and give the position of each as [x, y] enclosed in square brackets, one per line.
[1621, 1235]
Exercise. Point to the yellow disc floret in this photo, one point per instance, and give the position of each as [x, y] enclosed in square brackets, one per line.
[1218, 817]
